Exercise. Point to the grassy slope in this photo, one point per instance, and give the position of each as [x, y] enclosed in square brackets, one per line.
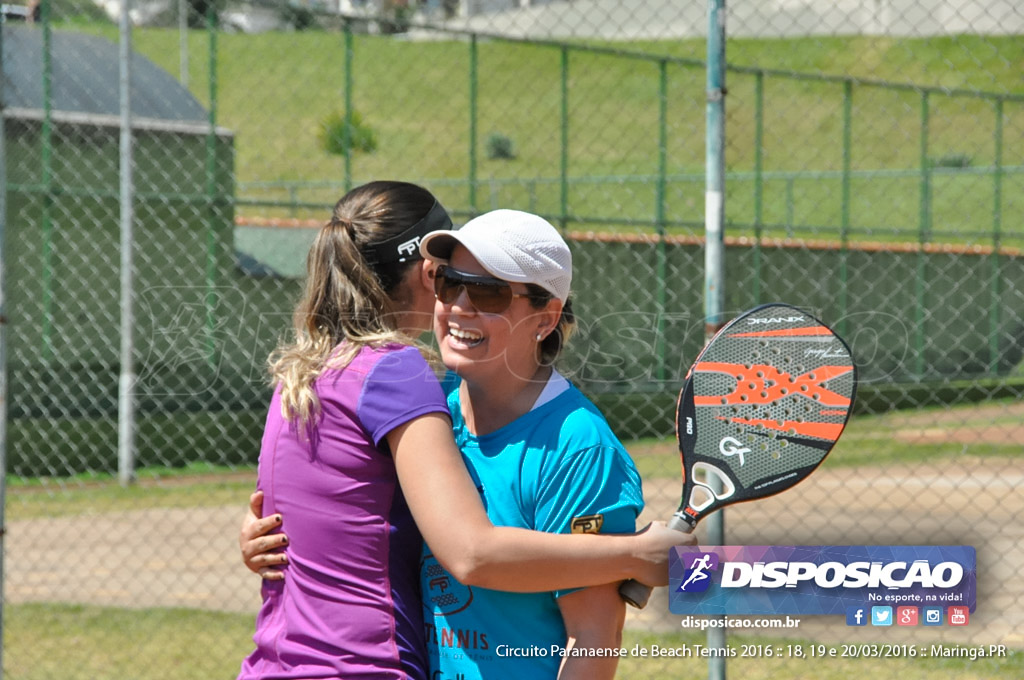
[275, 89]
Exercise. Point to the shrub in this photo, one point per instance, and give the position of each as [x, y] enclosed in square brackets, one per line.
[332, 134]
[298, 18]
[500, 146]
[952, 160]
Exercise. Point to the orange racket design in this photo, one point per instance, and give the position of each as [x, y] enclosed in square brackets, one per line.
[763, 404]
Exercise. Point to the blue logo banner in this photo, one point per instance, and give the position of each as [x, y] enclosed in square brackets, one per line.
[830, 579]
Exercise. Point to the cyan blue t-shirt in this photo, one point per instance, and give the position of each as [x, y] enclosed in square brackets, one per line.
[555, 468]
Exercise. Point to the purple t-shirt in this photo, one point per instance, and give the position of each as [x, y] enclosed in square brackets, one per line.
[349, 605]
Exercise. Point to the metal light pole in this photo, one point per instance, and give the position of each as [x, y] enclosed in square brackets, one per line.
[714, 250]
[3, 338]
[126, 381]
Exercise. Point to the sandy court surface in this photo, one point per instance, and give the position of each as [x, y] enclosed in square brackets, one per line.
[174, 557]
[189, 557]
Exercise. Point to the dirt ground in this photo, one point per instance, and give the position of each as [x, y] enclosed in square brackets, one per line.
[189, 557]
[993, 424]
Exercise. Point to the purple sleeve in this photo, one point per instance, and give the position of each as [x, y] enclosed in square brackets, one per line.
[400, 386]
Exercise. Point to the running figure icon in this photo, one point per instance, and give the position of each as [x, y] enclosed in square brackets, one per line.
[698, 571]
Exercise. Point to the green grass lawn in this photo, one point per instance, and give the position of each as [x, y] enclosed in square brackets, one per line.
[101, 643]
[274, 91]
[94, 643]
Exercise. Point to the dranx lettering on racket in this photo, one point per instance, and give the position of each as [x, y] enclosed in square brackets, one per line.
[763, 404]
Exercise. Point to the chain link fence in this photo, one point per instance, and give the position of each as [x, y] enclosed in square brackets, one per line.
[874, 175]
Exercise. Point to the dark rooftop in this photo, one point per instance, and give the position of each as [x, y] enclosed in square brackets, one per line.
[85, 77]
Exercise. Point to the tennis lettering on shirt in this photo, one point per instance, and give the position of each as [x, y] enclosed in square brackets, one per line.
[457, 638]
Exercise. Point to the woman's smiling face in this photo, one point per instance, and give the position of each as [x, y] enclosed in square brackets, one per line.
[480, 346]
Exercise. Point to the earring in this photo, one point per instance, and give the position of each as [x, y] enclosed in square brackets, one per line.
[539, 337]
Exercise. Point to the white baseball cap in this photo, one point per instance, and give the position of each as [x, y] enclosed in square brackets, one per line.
[511, 245]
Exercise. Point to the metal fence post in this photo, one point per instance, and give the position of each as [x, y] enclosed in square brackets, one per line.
[349, 52]
[662, 262]
[3, 341]
[714, 251]
[844, 219]
[924, 235]
[47, 177]
[211, 193]
[564, 164]
[126, 382]
[790, 206]
[758, 180]
[997, 239]
[474, 84]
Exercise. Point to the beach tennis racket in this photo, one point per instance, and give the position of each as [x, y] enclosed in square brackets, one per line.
[763, 404]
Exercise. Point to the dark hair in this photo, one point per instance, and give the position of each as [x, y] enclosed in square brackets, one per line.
[551, 346]
[379, 211]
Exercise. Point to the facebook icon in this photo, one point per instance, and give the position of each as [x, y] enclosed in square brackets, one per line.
[856, 616]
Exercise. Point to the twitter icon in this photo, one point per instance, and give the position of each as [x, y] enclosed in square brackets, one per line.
[881, 616]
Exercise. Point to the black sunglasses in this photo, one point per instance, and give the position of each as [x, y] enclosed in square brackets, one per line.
[486, 293]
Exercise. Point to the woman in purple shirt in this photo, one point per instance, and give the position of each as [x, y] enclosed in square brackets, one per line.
[358, 444]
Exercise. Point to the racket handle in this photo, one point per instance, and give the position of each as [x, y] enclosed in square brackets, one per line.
[682, 523]
[636, 593]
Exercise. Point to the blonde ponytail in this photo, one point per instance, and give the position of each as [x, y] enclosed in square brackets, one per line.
[346, 303]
